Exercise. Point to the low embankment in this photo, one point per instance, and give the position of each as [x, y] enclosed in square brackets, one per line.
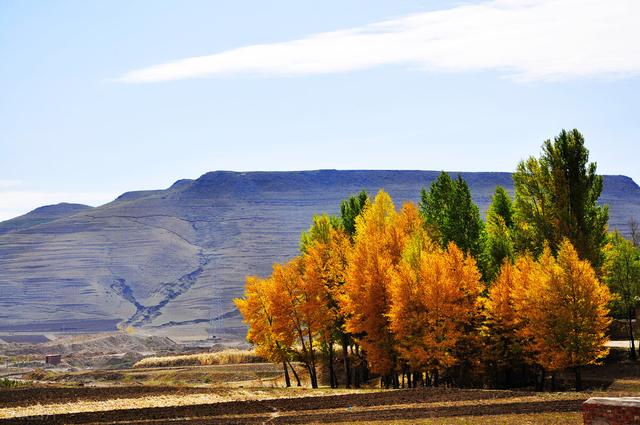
[202, 359]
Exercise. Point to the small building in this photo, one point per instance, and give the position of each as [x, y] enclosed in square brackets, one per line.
[53, 359]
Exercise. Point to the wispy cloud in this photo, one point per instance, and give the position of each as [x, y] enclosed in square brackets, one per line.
[522, 39]
[15, 202]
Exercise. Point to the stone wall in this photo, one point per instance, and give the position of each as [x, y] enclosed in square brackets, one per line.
[611, 411]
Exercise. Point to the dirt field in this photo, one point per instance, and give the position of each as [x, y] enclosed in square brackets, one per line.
[253, 394]
[271, 406]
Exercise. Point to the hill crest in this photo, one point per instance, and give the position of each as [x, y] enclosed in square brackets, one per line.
[158, 259]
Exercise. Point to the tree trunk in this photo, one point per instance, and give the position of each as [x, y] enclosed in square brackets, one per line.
[416, 379]
[495, 375]
[312, 366]
[632, 353]
[578, 378]
[553, 381]
[364, 368]
[345, 360]
[543, 376]
[295, 374]
[287, 381]
[312, 376]
[332, 374]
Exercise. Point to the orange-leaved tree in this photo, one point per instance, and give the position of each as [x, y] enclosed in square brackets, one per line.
[434, 296]
[299, 306]
[381, 234]
[564, 311]
[257, 313]
[408, 318]
[502, 328]
[325, 250]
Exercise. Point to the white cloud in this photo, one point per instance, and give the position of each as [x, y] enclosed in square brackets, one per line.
[525, 40]
[17, 202]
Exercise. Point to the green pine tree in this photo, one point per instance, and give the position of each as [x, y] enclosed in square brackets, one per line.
[450, 215]
[499, 240]
[556, 196]
[351, 208]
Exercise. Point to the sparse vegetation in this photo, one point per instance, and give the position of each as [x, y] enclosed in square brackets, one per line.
[11, 383]
[202, 359]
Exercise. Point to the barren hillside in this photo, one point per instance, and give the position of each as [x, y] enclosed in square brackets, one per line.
[155, 258]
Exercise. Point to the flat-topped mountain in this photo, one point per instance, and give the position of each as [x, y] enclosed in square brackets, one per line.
[171, 260]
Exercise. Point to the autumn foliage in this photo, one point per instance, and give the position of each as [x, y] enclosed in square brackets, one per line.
[563, 311]
[434, 295]
[401, 304]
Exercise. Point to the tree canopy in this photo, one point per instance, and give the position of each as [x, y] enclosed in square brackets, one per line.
[434, 292]
[450, 214]
[556, 197]
[498, 244]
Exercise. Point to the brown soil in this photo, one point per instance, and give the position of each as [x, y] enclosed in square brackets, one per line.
[377, 406]
[48, 395]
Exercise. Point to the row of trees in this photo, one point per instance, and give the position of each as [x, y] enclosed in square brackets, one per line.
[433, 292]
[555, 197]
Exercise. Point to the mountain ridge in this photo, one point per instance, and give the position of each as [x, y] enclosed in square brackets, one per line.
[159, 259]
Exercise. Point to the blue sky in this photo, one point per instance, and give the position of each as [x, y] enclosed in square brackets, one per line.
[97, 98]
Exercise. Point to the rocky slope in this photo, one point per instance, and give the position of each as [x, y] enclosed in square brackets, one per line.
[158, 259]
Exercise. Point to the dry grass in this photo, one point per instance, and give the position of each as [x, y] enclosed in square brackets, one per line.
[231, 375]
[10, 383]
[164, 400]
[225, 357]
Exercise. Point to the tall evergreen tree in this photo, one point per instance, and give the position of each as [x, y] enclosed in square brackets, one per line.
[502, 206]
[450, 215]
[351, 208]
[499, 240]
[556, 197]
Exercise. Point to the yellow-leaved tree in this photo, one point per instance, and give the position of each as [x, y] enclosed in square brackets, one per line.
[257, 314]
[503, 342]
[381, 234]
[325, 250]
[299, 306]
[435, 296]
[564, 312]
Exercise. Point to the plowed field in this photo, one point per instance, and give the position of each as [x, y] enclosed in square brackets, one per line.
[208, 406]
